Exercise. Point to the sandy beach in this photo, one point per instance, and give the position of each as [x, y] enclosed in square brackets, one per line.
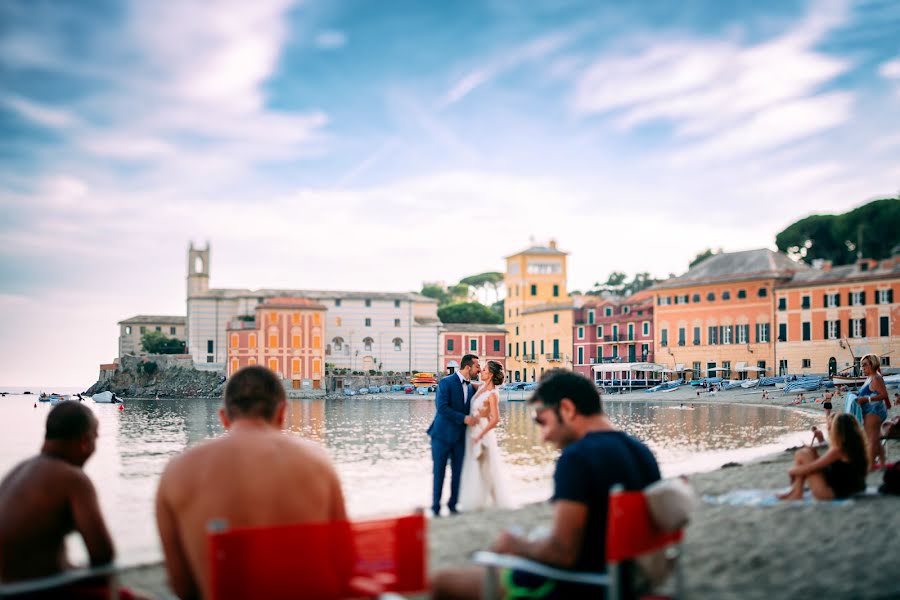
[789, 550]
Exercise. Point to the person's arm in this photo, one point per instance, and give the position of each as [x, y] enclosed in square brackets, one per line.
[89, 521]
[833, 455]
[493, 418]
[562, 547]
[181, 579]
[442, 400]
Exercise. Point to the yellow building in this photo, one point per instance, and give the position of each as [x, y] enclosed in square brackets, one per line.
[538, 313]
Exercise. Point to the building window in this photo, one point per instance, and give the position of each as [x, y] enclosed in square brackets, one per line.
[367, 344]
[681, 335]
[337, 321]
[128, 330]
[317, 341]
[645, 328]
[368, 302]
[542, 347]
[580, 355]
[556, 318]
[726, 369]
[599, 332]
[171, 331]
[782, 303]
[645, 351]
[804, 301]
[762, 333]
[396, 322]
[726, 296]
[783, 367]
[473, 345]
[696, 298]
[805, 363]
[696, 336]
[295, 366]
[615, 333]
[663, 337]
[555, 290]
[712, 336]
[368, 322]
[449, 345]
[608, 311]
[762, 292]
[591, 317]
[665, 300]
[273, 340]
[398, 344]
[885, 361]
[627, 309]
[159, 329]
[496, 345]
[235, 364]
[337, 301]
[782, 332]
[295, 318]
[210, 346]
[581, 333]
[832, 300]
[396, 304]
[517, 330]
[509, 349]
[615, 352]
[533, 289]
[742, 294]
[251, 340]
[885, 296]
[143, 330]
[832, 330]
[517, 349]
[742, 334]
[234, 340]
[858, 328]
[696, 370]
[209, 359]
[857, 298]
[727, 331]
[884, 326]
[273, 364]
[295, 340]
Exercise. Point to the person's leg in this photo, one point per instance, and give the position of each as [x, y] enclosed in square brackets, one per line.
[819, 487]
[801, 457]
[459, 584]
[440, 453]
[872, 425]
[457, 452]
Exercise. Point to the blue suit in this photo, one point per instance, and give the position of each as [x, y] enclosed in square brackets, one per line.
[448, 437]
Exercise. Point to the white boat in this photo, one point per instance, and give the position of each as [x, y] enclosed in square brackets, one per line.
[892, 380]
[750, 383]
[779, 385]
[105, 398]
[847, 380]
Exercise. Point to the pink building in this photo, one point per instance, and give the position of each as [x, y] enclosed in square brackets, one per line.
[612, 330]
[286, 336]
[458, 339]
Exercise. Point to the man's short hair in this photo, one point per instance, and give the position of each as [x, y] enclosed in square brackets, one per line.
[557, 384]
[253, 391]
[68, 420]
[467, 360]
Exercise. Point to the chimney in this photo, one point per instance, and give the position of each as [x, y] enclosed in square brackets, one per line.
[553, 244]
[826, 265]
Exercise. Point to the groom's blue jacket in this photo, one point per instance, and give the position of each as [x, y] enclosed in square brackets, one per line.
[449, 422]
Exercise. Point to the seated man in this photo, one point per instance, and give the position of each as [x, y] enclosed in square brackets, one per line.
[253, 476]
[48, 496]
[595, 457]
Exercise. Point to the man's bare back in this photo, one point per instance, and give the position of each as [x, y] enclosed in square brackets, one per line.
[253, 476]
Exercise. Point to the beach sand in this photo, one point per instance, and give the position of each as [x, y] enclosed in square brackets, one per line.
[790, 550]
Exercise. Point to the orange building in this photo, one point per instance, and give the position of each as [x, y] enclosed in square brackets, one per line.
[830, 317]
[718, 318]
[285, 336]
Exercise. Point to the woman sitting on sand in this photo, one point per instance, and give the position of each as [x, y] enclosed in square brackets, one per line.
[840, 473]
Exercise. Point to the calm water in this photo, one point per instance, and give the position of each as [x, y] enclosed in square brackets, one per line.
[379, 446]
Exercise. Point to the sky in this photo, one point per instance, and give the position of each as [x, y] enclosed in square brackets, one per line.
[363, 145]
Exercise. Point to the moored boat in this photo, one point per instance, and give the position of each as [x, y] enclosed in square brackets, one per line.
[105, 398]
[423, 379]
[847, 380]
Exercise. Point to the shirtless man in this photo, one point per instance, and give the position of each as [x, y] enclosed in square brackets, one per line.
[48, 496]
[253, 476]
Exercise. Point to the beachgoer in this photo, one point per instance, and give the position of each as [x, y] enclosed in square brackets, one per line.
[827, 405]
[818, 437]
[871, 399]
[595, 456]
[448, 430]
[48, 496]
[253, 476]
[840, 472]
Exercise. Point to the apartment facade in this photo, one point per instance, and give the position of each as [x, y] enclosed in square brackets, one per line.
[718, 319]
[829, 318]
[366, 330]
[459, 339]
[539, 312]
[287, 336]
[131, 330]
[610, 330]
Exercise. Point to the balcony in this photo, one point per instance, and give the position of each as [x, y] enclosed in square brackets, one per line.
[529, 358]
[553, 357]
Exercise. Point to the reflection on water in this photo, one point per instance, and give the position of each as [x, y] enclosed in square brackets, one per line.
[379, 446]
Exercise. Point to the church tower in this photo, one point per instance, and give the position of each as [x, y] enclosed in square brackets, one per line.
[198, 270]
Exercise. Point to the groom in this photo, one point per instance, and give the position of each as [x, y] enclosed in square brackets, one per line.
[448, 430]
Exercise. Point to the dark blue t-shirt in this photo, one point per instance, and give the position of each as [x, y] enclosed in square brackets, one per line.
[586, 471]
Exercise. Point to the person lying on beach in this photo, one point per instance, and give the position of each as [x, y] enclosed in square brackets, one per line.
[595, 456]
[840, 472]
[48, 496]
[253, 476]
[818, 437]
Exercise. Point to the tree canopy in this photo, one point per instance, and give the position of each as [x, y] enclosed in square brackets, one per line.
[619, 285]
[155, 342]
[701, 256]
[469, 312]
[870, 230]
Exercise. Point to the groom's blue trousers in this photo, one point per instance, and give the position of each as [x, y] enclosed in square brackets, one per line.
[441, 452]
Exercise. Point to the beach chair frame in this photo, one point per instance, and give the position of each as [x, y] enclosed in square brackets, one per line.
[61, 580]
[630, 533]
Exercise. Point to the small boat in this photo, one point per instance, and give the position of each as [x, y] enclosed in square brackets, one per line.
[424, 380]
[52, 397]
[106, 398]
[848, 380]
[750, 383]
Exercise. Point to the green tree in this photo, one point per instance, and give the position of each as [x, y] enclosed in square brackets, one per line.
[869, 230]
[490, 280]
[155, 342]
[435, 291]
[468, 312]
[701, 256]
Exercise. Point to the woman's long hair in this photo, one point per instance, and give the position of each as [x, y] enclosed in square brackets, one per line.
[847, 435]
[496, 371]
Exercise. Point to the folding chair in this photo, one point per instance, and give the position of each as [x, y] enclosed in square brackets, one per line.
[630, 533]
[320, 561]
[57, 584]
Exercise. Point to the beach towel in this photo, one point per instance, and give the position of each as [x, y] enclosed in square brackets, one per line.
[851, 407]
[770, 498]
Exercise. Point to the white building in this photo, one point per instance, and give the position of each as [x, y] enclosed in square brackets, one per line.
[363, 330]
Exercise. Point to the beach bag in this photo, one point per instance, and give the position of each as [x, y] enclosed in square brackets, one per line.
[891, 480]
[670, 502]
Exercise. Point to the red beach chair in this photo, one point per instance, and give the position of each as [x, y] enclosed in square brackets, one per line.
[320, 561]
[630, 533]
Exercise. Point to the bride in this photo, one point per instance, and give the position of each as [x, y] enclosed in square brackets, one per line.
[483, 481]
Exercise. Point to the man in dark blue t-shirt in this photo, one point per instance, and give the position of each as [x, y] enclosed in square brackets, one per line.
[596, 456]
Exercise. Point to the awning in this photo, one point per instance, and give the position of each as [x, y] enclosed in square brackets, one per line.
[637, 366]
[758, 369]
[679, 368]
[715, 369]
[740, 367]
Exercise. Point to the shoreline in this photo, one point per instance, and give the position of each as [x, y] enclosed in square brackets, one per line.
[787, 550]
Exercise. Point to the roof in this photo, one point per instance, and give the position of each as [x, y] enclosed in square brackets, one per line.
[154, 320]
[845, 274]
[737, 266]
[291, 302]
[473, 328]
[426, 321]
[314, 294]
[550, 250]
[548, 307]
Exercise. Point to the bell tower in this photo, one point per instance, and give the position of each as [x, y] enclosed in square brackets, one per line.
[198, 270]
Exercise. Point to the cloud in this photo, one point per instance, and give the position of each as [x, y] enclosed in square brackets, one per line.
[890, 69]
[54, 118]
[330, 40]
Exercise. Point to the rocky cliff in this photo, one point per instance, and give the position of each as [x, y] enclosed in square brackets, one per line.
[168, 376]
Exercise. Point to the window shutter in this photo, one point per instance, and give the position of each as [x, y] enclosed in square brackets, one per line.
[862, 298]
[757, 333]
[837, 299]
[837, 325]
[849, 298]
[825, 330]
[862, 327]
[891, 296]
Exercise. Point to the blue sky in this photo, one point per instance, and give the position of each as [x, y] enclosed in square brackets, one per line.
[371, 145]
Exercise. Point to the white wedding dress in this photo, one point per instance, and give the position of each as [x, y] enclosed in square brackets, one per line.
[483, 482]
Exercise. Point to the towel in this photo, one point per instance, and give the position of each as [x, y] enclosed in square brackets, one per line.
[770, 498]
[851, 407]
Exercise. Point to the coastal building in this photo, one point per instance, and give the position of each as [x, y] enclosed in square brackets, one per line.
[459, 339]
[366, 330]
[538, 312]
[612, 330]
[286, 334]
[718, 318]
[131, 330]
[830, 317]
